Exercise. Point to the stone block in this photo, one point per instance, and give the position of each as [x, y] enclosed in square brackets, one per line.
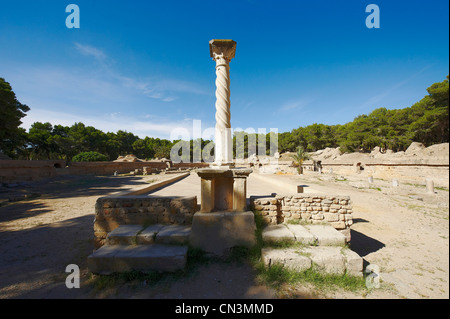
[328, 260]
[326, 235]
[145, 258]
[218, 232]
[330, 217]
[338, 225]
[147, 236]
[277, 233]
[353, 263]
[289, 258]
[124, 235]
[173, 234]
[306, 216]
[302, 235]
[318, 216]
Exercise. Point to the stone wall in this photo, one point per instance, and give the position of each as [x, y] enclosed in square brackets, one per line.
[108, 168]
[112, 211]
[306, 208]
[407, 173]
[12, 171]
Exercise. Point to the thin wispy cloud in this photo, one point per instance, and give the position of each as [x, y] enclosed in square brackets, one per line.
[88, 50]
[162, 89]
[157, 127]
[373, 101]
[295, 104]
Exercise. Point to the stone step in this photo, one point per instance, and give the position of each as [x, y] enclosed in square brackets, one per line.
[326, 235]
[324, 259]
[124, 235]
[310, 235]
[140, 235]
[174, 234]
[145, 258]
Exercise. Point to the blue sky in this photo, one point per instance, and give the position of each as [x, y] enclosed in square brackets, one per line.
[144, 66]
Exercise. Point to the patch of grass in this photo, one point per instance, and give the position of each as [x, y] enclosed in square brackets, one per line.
[286, 243]
[299, 222]
[376, 188]
[415, 185]
[278, 275]
[116, 280]
[442, 189]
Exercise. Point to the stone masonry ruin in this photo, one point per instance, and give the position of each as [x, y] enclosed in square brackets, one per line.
[306, 209]
[145, 233]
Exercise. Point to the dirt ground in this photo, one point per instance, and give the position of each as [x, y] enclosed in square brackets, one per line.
[49, 225]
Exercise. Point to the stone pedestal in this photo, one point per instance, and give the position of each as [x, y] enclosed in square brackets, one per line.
[217, 232]
[223, 221]
[223, 189]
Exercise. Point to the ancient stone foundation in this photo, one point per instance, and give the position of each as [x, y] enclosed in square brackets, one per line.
[306, 208]
[113, 211]
[13, 171]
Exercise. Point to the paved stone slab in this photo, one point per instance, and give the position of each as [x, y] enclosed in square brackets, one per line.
[354, 264]
[147, 236]
[124, 235]
[217, 232]
[326, 259]
[277, 233]
[302, 235]
[145, 258]
[101, 260]
[173, 234]
[290, 258]
[326, 235]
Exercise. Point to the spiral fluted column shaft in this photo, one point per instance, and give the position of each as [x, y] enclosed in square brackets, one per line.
[222, 51]
[223, 115]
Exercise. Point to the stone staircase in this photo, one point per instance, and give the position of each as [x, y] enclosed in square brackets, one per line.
[319, 246]
[164, 248]
[137, 248]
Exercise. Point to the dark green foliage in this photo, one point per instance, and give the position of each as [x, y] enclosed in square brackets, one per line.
[426, 121]
[12, 137]
[89, 157]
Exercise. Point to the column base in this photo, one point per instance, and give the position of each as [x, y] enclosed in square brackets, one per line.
[217, 232]
[223, 189]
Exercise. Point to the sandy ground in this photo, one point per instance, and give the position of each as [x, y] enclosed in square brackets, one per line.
[402, 230]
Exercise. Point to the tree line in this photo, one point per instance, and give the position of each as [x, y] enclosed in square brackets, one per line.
[426, 121]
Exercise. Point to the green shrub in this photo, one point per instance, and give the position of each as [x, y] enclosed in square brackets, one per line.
[89, 157]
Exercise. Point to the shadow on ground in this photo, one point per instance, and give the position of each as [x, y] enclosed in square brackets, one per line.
[33, 261]
[364, 245]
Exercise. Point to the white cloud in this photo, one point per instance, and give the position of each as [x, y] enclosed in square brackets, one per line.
[373, 102]
[90, 51]
[67, 95]
[162, 89]
[295, 104]
[111, 122]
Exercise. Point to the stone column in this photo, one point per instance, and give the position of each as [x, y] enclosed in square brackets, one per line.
[207, 195]
[430, 186]
[222, 51]
[240, 194]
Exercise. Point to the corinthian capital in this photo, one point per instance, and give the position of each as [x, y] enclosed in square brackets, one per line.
[222, 49]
